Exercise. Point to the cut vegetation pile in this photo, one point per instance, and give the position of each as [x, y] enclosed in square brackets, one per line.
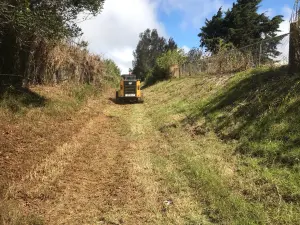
[234, 141]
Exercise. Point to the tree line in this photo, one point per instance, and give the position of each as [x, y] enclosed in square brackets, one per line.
[150, 47]
[29, 29]
[239, 26]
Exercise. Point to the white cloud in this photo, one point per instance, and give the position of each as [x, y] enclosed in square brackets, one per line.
[284, 28]
[186, 49]
[193, 11]
[115, 32]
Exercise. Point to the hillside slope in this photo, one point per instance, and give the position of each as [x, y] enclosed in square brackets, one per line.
[236, 140]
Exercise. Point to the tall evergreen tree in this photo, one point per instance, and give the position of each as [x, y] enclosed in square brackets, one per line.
[149, 48]
[171, 45]
[241, 25]
[213, 32]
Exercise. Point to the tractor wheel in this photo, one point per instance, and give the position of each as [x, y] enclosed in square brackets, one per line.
[117, 97]
[141, 100]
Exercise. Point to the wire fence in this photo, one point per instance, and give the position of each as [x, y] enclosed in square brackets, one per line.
[272, 51]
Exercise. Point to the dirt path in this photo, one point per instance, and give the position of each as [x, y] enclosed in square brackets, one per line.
[107, 173]
[95, 178]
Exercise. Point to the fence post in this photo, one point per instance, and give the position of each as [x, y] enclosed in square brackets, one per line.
[260, 52]
[294, 48]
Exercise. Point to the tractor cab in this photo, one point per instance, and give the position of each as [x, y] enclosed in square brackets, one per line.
[130, 89]
[129, 77]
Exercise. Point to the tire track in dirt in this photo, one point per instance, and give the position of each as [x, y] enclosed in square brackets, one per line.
[40, 185]
[148, 207]
[110, 181]
[95, 178]
[95, 182]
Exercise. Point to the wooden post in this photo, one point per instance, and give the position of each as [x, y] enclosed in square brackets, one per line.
[294, 50]
[260, 52]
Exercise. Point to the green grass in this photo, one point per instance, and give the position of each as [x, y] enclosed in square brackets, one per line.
[249, 121]
[261, 109]
[201, 171]
[54, 101]
[15, 99]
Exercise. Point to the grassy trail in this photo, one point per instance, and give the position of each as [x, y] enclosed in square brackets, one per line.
[167, 161]
[160, 204]
[105, 173]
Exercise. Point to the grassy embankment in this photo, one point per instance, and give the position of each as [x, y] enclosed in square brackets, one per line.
[234, 142]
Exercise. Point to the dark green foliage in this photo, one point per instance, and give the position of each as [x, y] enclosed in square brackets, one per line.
[171, 45]
[213, 32]
[149, 48]
[242, 25]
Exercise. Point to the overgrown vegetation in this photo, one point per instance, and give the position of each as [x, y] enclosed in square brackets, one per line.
[113, 72]
[170, 58]
[68, 63]
[30, 32]
[235, 141]
[150, 47]
[163, 66]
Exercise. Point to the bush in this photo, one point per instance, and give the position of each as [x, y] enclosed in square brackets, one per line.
[113, 72]
[161, 70]
[170, 58]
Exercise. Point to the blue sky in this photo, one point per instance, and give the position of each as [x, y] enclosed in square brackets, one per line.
[115, 32]
[184, 30]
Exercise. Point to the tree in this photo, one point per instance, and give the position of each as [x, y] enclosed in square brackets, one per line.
[170, 58]
[241, 25]
[213, 31]
[26, 23]
[113, 72]
[149, 48]
[171, 45]
[194, 55]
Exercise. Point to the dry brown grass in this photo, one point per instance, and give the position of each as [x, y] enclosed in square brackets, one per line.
[225, 62]
[31, 135]
[74, 185]
[55, 63]
[102, 173]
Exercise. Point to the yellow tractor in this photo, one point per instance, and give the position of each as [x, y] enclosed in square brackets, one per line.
[130, 89]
